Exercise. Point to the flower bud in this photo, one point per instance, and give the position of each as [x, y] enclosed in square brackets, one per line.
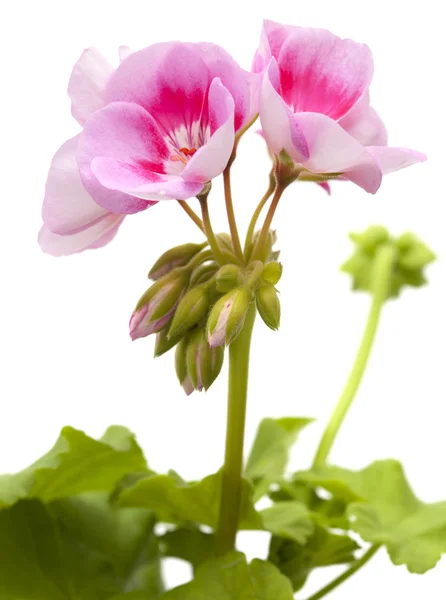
[203, 362]
[175, 257]
[268, 305]
[156, 307]
[203, 273]
[191, 308]
[193, 359]
[164, 343]
[227, 317]
[181, 366]
[272, 272]
[228, 277]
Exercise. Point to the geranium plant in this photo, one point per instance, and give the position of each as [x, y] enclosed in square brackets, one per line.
[90, 520]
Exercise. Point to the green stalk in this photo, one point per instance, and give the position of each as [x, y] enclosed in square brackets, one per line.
[381, 279]
[213, 243]
[235, 434]
[346, 575]
[230, 212]
[252, 225]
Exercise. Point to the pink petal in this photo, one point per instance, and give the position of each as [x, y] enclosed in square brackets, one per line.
[124, 52]
[272, 38]
[333, 150]
[125, 138]
[280, 128]
[170, 80]
[67, 206]
[87, 84]
[325, 186]
[363, 123]
[211, 159]
[236, 80]
[323, 73]
[393, 159]
[96, 236]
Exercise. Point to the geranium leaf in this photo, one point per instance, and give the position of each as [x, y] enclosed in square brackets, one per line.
[269, 455]
[232, 578]
[384, 510]
[322, 549]
[289, 520]
[191, 545]
[76, 464]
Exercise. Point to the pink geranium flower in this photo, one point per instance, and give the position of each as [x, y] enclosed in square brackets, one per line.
[72, 220]
[172, 113]
[314, 104]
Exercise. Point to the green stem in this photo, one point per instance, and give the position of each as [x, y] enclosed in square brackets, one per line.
[351, 571]
[261, 242]
[381, 277]
[192, 214]
[230, 212]
[213, 243]
[255, 217]
[235, 433]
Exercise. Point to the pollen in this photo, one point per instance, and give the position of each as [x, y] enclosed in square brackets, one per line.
[183, 155]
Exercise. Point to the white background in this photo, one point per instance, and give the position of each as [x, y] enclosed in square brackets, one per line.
[66, 356]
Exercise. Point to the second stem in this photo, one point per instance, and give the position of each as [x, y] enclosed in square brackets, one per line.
[231, 493]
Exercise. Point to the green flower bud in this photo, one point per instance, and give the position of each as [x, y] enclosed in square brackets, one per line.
[203, 273]
[228, 316]
[228, 277]
[164, 343]
[272, 272]
[181, 366]
[203, 362]
[192, 359]
[175, 257]
[268, 305]
[411, 256]
[192, 307]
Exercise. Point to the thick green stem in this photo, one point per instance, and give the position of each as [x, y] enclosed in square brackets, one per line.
[213, 243]
[381, 278]
[235, 434]
[230, 212]
[351, 571]
[256, 215]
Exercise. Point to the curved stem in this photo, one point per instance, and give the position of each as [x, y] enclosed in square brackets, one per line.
[192, 214]
[351, 571]
[213, 243]
[255, 217]
[261, 242]
[235, 433]
[230, 212]
[381, 277]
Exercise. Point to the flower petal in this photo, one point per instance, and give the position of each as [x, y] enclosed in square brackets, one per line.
[272, 37]
[322, 73]
[127, 140]
[333, 150]
[363, 123]
[211, 159]
[87, 84]
[280, 128]
[394, 159]
[96, 236]
[170, 80]
[235, 79]
[124, 52]
[67, 206]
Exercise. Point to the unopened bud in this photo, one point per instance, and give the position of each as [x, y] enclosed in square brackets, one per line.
[175, 257]
[191, 308]
[193, 359]
[156, 307]
[228, 277]
[227, 317]
[164, 343]
[203, 273]
[181, 366]
[203, 362]
[268, 305]
[272, 272]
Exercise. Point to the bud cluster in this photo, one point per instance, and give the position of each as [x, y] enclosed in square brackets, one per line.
[411, 257]
[200, 307]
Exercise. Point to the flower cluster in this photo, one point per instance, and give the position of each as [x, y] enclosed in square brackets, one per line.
[165, 123]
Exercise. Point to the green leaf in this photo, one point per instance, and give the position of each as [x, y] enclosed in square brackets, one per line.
[191, 545]
[176, 501]
[384, 510]
[76, 464]
[269, 455]
[77, 549]
[288, 520]
[323, 549]
[231, 578]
